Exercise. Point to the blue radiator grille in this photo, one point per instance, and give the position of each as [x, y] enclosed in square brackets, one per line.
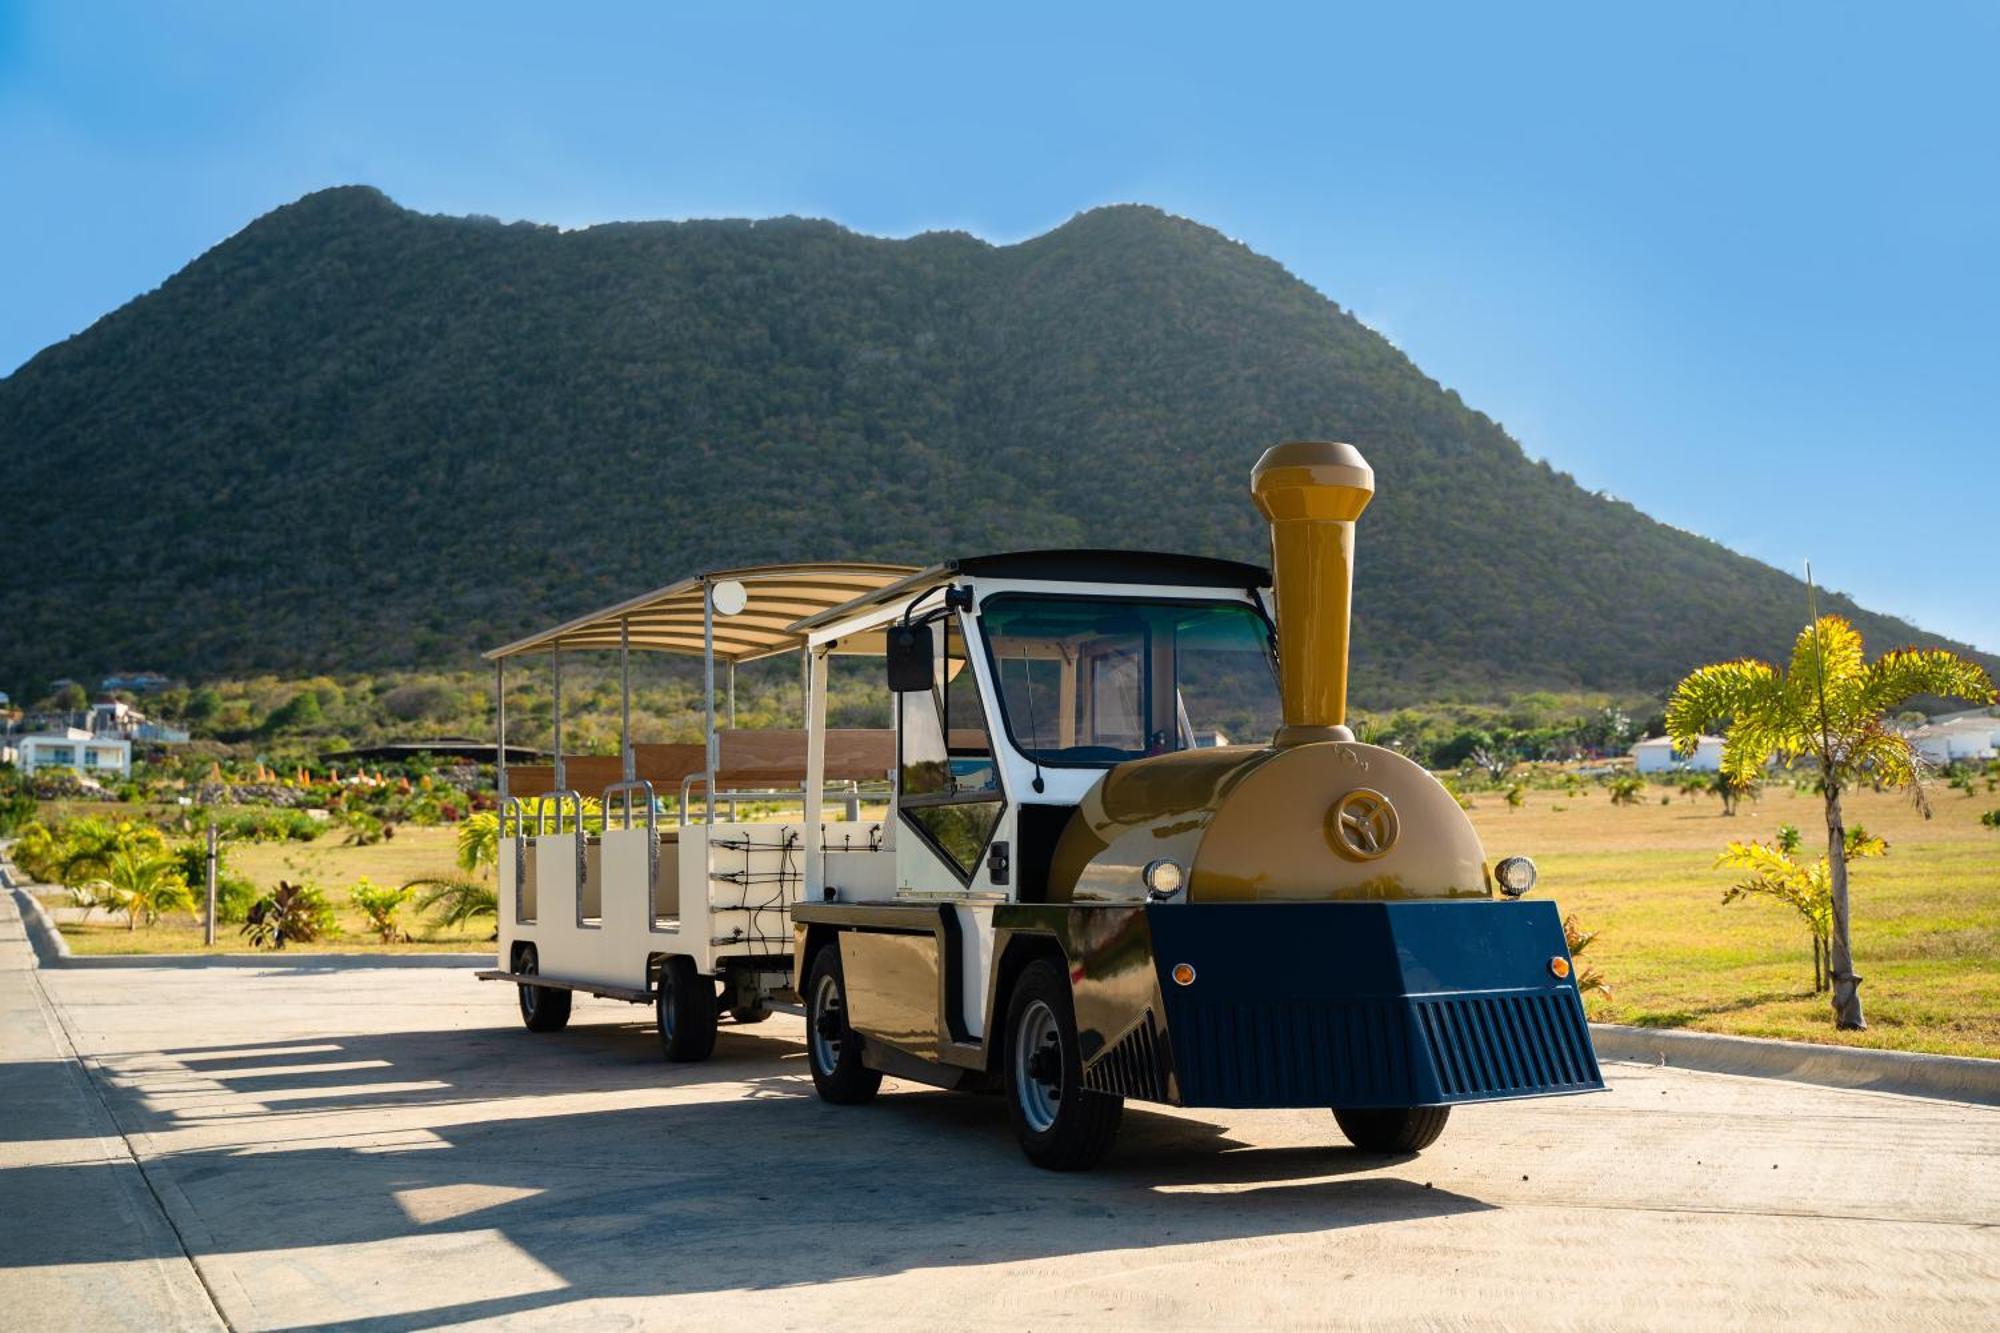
[1508, 1045]
[1296, 1053]
[1131, 1068]
[1400, 1051]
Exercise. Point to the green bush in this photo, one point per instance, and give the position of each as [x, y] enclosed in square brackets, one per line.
[268, 825]
[381, 903]
[234, 894]
[294, 914]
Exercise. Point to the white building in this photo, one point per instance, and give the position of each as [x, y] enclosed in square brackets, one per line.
[103, 757]
[1967, 738]
[1657, 755]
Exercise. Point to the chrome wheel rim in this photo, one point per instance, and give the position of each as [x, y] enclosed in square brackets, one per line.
[1038, 1035]
[827, 1012]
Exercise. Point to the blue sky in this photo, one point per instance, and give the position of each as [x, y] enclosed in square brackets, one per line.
[1739, 264]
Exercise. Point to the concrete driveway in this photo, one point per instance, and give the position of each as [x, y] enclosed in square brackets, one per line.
[325, 1144]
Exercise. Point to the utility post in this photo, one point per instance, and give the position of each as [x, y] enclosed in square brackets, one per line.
[208, 921]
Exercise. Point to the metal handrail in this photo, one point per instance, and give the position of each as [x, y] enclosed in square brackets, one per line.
[850, 790]
[511, 806]
[629, 790]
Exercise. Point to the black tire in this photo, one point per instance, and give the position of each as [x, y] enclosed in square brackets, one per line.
[751, 1013]
[1061, 1124]
[1393, 1129]
[833, 1049]
[684, 1007]
[543, 1008]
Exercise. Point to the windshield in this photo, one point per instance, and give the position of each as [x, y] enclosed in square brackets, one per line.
[1090, 681]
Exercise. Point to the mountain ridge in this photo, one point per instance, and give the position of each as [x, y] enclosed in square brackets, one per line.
[352, 436]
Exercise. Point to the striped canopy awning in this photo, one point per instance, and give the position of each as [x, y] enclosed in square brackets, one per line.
[669, 620]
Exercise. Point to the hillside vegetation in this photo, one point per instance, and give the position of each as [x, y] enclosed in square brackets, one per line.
[357, 438]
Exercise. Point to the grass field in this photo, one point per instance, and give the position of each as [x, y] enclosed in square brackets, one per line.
[1926, 917]
[334, 867]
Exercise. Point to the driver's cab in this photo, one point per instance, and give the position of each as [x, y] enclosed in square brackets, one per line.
[1017, 682]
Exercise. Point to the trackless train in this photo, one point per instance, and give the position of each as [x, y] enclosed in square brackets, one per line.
[1078, 891]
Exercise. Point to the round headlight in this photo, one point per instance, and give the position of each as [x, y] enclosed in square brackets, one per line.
[1163, 878]
[1516, 875]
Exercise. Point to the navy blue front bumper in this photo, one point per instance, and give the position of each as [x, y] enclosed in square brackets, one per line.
[1357, 1004]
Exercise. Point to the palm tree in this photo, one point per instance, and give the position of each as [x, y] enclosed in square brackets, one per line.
[1828, 706]
[478, 841]
[144, 881]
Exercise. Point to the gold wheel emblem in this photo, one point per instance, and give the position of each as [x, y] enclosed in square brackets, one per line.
[1362, 825]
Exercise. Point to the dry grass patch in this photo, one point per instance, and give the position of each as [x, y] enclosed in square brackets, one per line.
[332, 865]
[1926, 917]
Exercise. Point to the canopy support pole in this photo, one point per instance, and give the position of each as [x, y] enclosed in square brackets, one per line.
[815, 720]
[625, 699]
[732, 695]
[500, 726]
[708, 697]
[562, 782]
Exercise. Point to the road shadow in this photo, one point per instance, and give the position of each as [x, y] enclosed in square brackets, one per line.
[734, 1176]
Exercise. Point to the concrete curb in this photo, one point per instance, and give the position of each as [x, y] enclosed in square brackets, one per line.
[1951, 1077]
[300, 961]
[51, 949]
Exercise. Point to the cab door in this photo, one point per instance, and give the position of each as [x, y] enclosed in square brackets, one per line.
[951, 808]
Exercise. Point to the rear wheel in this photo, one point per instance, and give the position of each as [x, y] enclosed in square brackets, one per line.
[1392, 1129]
[1060, 1124]
[543, 1008]
[685, 1007]
[832, 1048]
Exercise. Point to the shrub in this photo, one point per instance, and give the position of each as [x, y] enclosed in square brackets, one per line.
[1626, 789]
[234, 893]
[381, 903]
[1991, 819]
[1774, 871]
[419, 703]
[296, 913]
[255, 825]
[142, 880]
[17, 802]
[1587, 978]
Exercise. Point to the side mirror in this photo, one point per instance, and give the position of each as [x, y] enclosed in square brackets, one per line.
[910, 665]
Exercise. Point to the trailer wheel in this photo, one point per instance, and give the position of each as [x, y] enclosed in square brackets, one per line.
[832, 1048]
[1392, 1129]
[1061, 1124]
[543, 1008]
[685, 1008]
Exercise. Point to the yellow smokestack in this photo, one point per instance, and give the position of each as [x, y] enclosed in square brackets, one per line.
[1311, 491]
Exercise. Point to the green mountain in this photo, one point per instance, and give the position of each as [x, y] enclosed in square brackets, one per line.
[357, 437]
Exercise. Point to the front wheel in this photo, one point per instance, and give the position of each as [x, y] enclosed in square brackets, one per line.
[543, 1008]
[1060, 1124]
[832, 1048]
[1403, 1129]
[685, 1008]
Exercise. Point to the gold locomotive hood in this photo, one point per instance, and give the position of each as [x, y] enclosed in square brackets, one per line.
[1315, 815]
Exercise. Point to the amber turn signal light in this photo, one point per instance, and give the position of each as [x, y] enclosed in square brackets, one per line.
[1183, 974]
[1559, 967]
